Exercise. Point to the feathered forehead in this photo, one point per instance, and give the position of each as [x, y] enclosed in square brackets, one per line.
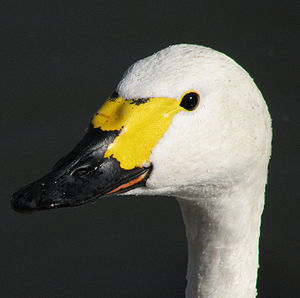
[174, 70]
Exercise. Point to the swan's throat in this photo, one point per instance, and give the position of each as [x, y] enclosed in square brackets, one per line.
[223, 235]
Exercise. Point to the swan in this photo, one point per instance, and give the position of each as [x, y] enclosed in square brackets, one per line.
[186, 122]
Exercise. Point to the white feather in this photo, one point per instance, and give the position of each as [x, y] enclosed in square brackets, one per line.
[213, 160]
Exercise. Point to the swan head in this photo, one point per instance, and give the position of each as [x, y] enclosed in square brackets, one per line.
[219, 141]
[186, 120]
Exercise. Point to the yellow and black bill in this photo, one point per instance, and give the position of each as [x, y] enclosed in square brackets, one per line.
[81, 176]
[113, 156]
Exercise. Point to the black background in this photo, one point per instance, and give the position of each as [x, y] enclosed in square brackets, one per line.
[59, 61]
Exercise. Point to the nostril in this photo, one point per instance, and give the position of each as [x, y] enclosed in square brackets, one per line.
[82, 171]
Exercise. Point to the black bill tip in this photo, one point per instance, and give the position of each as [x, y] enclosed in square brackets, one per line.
[81, 177]
[64, 190]
[28, 199]
[22, 201]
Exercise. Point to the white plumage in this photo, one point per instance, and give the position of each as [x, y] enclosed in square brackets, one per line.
[213, 160]
[211, 156]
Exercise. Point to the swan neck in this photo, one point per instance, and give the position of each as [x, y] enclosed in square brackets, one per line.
[223, 239]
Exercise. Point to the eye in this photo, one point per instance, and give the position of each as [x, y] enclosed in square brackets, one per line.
[190, 101]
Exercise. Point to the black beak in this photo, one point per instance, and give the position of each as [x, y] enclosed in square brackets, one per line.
[80, 177]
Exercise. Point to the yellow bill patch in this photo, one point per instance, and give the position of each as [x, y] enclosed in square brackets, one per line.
[142, 124]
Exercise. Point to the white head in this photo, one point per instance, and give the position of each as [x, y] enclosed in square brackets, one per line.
[213, 155]
[218, 143]
[223, 140]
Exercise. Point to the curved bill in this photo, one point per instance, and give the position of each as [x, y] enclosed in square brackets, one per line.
[81, 177]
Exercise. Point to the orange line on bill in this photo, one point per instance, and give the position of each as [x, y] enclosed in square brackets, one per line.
[128, 184]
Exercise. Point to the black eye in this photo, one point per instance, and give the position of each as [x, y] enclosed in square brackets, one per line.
[190, 101]
[114, 95]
